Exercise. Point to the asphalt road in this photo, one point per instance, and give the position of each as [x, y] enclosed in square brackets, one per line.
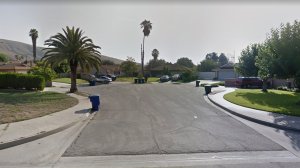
[162, 118]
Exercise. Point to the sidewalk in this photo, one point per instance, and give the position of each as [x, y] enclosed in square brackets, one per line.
[17, 133]
[275, 120]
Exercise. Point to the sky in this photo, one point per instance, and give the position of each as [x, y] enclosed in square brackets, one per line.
[186, 28]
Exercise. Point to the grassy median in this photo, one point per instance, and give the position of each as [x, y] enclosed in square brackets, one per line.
[68, 80]
[18, 105]
[277, 101]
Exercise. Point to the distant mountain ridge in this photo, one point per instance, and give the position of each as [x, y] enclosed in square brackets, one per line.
[12, 48]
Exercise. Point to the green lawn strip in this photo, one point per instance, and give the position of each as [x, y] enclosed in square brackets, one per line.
[131, 79]
[68, 80]
[16, 105]
[277, 101]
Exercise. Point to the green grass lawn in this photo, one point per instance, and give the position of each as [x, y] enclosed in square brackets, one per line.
[17, 105]
[131, 79]
[273, 101]
[68, 80]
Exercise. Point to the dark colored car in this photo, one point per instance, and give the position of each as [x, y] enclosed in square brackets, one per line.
[164, 78]
[248, 82]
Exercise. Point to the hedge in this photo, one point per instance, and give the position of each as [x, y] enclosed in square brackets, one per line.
[21, 81]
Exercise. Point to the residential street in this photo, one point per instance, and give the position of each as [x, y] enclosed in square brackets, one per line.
[162, 119]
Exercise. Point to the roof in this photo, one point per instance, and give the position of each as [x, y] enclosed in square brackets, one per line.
[170, 67]
[13, 66]
[229, 65]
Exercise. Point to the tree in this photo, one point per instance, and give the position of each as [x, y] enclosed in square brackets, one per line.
[155, 54]
[146, 25]
[246, 65]
[33, 33]
[212, 56]
[155, 63]
[223, 59]
[129, 66]
[76, 49]
[264, 63]
[283, 45]
[19, 57]
[184, 61]
[3, 57]
[42, 70]
[207, 65]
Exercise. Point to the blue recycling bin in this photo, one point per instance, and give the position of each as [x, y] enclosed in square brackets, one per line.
[92, 83]
[95, 100]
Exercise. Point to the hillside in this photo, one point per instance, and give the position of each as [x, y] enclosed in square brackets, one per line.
[12, 48]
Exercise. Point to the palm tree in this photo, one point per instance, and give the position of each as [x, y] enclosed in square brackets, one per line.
[146, 25]
[155, 54]
[76, 49]
[34, 34]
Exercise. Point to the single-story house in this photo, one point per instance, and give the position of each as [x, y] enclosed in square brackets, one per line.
[14, 67]
[171, 68]
[225, 72]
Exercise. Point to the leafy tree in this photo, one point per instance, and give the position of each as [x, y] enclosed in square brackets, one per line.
[146, 25]
[3, 57]
[246, 65]
[107, 62]
[33, 33]
[42, 70]
[212, 56]
[76, 49]
[155, 63]
[129, 66]
[62, 67]
[184, 61]
[223, 59]
[155, 54]
[265, 64]
[283, 44]
[207, 65]
[19, 57]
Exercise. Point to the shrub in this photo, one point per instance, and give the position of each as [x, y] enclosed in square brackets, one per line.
[188, 76]
[41, 70]
[21, 81]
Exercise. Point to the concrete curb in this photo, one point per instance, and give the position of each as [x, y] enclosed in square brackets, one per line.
[262, 122]
[24, 140]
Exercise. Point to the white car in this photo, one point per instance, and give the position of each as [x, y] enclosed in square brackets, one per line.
[101, 79]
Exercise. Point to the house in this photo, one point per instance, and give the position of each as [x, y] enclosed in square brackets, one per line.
[15, 67]
[165, 69]
[225, 72]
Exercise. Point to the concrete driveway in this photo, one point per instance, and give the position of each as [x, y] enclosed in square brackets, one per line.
[162, 118]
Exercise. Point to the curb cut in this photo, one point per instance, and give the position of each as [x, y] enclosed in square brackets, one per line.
[269, 124]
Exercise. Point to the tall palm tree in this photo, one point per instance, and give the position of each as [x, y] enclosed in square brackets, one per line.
[34, 34]
[76, 49]
[155, 54]
[146, 25]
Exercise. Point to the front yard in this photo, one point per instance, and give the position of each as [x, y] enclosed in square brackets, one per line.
[273, 101]
[68, 80]
[18, 105]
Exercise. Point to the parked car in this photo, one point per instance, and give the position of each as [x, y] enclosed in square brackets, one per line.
[176, 77]
[101, 79]
[112, 77]
[164, 78]
[248, 82]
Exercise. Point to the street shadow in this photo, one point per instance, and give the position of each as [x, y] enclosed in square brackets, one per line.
[294, 136]
[84, 111]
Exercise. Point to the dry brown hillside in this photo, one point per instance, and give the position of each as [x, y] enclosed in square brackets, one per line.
[12, 48]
